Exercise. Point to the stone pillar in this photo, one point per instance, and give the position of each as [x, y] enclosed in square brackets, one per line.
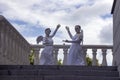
[7, 44]
[14, 54]
[36, 57]
[94, 62]
[113, 62]
[0, 40]
[104, 62]
[84, 55]
[65, 52]
[55, 53]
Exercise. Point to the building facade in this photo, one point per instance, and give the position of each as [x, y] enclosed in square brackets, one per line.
[116, 33]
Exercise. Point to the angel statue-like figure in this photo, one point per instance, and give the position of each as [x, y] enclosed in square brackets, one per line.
[47, 57]
[75, 55]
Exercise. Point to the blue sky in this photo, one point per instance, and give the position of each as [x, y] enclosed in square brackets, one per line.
[31, 17]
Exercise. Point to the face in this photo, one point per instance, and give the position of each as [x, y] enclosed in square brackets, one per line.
[77, 28]
[47, 31]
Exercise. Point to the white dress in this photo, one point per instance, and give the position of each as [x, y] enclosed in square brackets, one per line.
[75, 55]
[47, 57]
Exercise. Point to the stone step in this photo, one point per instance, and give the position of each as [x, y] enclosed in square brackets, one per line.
[56, 67]
[61, 72]
[63, 77]
[79, 78]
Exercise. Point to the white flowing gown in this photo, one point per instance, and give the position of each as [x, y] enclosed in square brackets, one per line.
[47, 57]
[75, 55]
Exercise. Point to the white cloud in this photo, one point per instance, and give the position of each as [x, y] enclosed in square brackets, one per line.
[64, 12]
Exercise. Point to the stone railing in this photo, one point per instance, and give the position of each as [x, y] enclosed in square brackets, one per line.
[65, 48]
[14, 49]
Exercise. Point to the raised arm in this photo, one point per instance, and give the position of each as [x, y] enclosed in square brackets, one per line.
[68, 30]
[55, 30]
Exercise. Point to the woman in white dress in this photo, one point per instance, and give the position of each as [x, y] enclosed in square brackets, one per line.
[75, 55]
[47, 57]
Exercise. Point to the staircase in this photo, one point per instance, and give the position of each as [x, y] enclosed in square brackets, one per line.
[54, 72]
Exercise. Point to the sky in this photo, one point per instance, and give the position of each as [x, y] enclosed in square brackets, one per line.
[32, 17]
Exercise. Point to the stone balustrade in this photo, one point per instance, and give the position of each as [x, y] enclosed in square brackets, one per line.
[65, 49]
[14, 49]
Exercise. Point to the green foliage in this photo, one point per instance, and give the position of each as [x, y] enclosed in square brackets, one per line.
[89, 61]
[59, 62]
[31, 57]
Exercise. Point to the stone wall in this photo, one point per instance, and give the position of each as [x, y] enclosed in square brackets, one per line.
[14, 49]
[116, 33]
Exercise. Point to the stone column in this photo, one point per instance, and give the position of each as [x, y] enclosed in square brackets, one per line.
[65, 52]
[94, 62]
[84, 55]
[55, 53]
[0, 44]
[1, 39]
[113, 62]
[104, 62]
[36, 57]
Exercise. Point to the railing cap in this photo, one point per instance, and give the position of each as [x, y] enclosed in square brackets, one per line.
[1, 17]
[84, 46]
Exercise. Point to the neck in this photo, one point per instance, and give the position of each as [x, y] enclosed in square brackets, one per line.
[77, 32]
[47, 35]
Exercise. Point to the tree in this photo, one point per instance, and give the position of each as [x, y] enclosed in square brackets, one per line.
[59, 62]
[31, 57]
[89, 61]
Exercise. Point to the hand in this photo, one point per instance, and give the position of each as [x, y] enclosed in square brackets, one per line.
[58, 26]
[67, 28]
[65, 40]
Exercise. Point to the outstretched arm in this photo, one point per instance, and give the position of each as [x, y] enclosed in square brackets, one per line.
[55, 30]
[77, 40]
[67, 28]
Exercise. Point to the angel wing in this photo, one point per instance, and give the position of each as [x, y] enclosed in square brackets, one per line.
[39, 39]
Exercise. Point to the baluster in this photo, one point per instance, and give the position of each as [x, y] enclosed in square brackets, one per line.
[7, 45]
[84, 55]
[36, 56]
[113, 62]
[22, 54]
[56, 54]
[104, 62]
[4, 49]
[13, 49]
[29, 49]
[0, 40]
[94, 61]
[27, 52]
[65, 52]
[20, 48]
